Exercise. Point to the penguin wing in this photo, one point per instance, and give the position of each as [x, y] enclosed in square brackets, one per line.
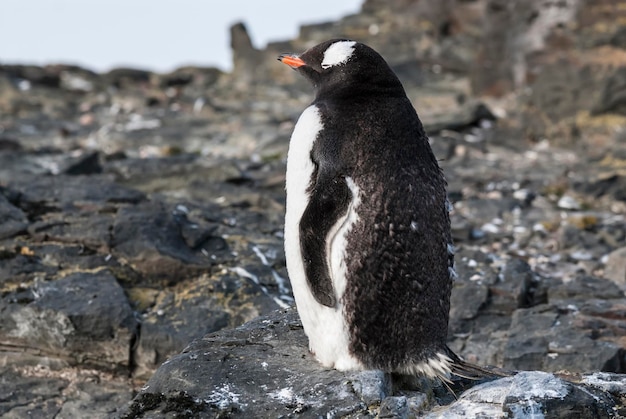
[329, 199]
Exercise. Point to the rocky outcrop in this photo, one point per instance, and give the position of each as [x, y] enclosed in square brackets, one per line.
[141, 211]
[263, 369]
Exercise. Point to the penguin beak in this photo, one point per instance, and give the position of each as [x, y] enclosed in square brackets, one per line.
[291, 60]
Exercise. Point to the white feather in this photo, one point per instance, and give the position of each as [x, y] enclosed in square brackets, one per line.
[338, 53]
[336, 239]
[439, 367]
[325, 327]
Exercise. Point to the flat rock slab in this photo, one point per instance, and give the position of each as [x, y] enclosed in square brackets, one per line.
[536, 394]
[261, 369]
[83, 318]
[264, 369]
[41, 392]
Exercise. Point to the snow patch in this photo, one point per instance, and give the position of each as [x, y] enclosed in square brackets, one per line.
[286, 396]
[223, 397]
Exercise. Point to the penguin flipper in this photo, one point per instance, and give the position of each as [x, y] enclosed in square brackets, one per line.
[329, 201]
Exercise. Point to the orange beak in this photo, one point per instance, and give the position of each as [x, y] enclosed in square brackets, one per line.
[291, 60]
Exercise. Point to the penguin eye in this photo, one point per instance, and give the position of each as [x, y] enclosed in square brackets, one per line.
[325, 66]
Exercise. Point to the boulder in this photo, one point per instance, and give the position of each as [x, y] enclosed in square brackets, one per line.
[83, 318]
[263, 369]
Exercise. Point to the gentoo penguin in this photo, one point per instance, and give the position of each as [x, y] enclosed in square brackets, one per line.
[367, 229]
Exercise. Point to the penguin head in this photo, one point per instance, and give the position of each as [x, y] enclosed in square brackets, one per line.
[341, 66]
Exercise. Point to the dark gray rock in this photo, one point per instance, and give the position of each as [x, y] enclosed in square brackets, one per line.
[584, 288]
[466, 301]
[469, 115]
[83, 318]
[37, 195]
[37, 76]
[127, 77]
[155, 239]
[42, 392]
[613, 98]
[532, 394]
[50, 162]
[206, 305]
[519, 321]
[264, 369]
[613, 185]
[12, 220]
[21, 264]
[247, 60]
[85, 164]
[566, 338]
[32, 396]
[44, 261]
[194, 77]
[518, 287]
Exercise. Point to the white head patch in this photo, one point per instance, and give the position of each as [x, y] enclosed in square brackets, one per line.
[338, 53]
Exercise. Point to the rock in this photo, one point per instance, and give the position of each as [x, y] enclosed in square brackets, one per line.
[247, 61]
[12, 220]
[172, 321]
[85, 164]
[152, 239]
[528, 394]
[83, 318]
[34, 75]
[9, 144]
[615, 267]
[41, 391]
[127, 77]
[617, 363]
[185, 76]
[580, 318]
[518, 288]
[469, 115]
[582, 288]
[466, 301]
[613, 185]
[522, 322]
[37, 195]
[613, 98]
[568, 203]
[263, 368]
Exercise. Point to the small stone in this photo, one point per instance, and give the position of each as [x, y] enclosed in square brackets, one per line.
[394, 408]
[568, 203]
[615, 268]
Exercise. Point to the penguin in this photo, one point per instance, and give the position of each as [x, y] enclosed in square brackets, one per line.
[367, 229]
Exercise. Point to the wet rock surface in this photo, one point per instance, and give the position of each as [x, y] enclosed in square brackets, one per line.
[140, 212]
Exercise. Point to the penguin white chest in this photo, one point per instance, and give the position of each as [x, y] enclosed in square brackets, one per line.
[325, 327]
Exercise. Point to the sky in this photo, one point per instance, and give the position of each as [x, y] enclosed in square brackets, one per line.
[158, 35]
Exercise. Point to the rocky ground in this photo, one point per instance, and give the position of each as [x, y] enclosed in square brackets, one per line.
[141, 211]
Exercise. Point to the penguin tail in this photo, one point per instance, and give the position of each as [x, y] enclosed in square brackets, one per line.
[474, 372]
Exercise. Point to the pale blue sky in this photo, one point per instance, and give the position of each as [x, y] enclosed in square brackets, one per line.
[159, 35]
